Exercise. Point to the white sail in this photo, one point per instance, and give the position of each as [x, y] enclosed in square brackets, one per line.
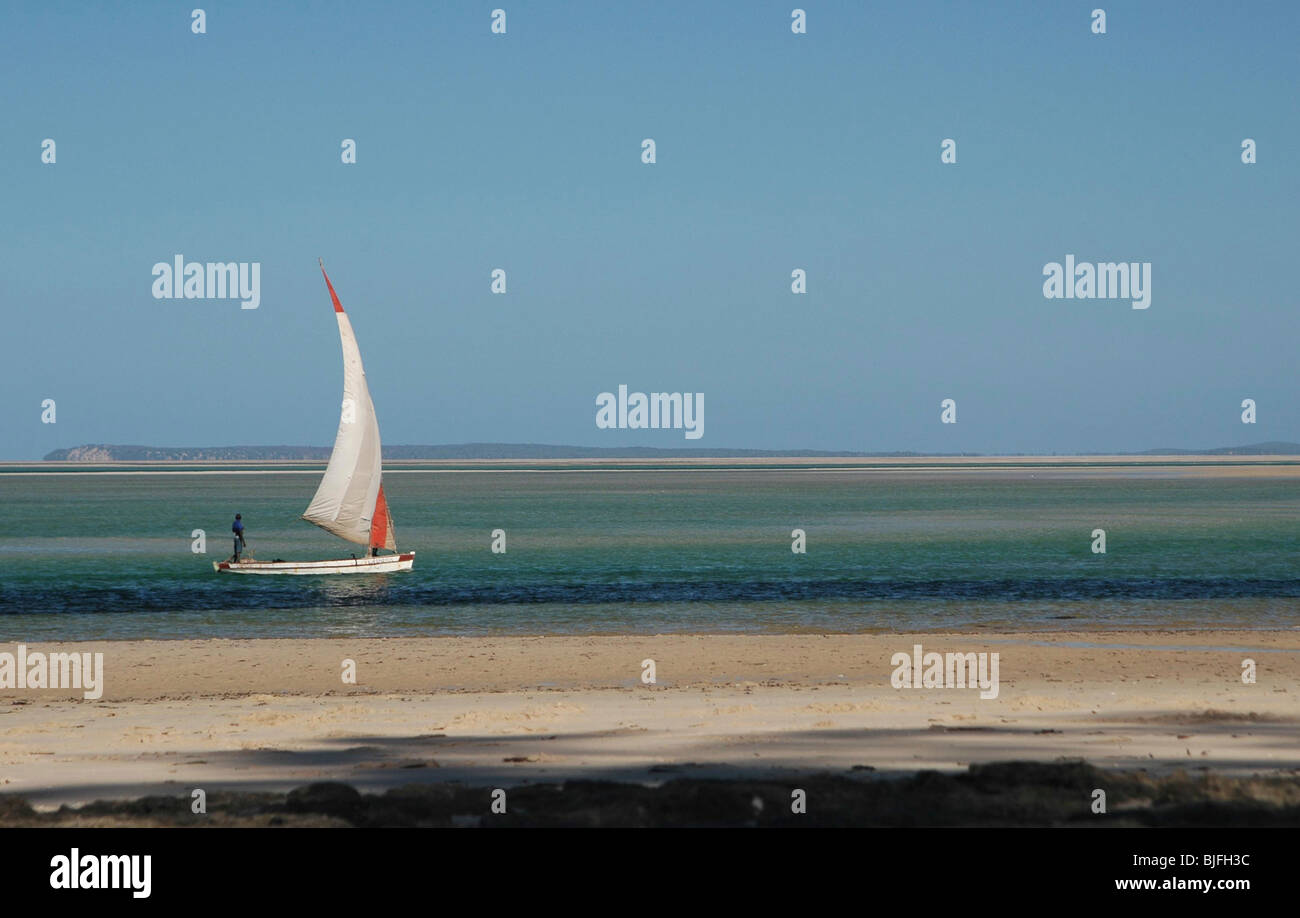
[350, 501]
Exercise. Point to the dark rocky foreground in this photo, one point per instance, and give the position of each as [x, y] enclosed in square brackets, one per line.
[1001, 794]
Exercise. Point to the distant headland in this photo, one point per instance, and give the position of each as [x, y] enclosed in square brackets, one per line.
[107, 452]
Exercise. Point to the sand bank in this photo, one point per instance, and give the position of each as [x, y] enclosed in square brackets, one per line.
[271, 715]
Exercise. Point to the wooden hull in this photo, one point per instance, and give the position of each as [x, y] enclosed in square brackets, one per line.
[365, 565]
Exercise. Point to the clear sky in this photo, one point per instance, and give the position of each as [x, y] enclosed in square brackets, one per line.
[775, 151]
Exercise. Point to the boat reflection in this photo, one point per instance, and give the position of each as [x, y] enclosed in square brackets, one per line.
[353, 591]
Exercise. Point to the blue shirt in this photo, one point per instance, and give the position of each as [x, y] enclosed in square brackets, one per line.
[238, 528]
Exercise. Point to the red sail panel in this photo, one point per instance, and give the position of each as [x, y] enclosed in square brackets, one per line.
[338, 307]
[381, 524]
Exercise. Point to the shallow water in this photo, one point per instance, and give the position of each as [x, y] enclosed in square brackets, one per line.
[109, 556]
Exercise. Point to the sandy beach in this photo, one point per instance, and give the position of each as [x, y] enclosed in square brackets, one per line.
[272, 715]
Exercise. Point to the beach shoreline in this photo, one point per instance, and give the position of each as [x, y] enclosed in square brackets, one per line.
[269, 715]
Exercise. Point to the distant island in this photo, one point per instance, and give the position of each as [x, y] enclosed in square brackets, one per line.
[107, 452]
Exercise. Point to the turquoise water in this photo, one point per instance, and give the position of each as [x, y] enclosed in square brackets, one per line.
[109, 556]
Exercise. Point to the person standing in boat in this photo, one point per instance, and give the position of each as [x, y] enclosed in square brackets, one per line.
[238, 529]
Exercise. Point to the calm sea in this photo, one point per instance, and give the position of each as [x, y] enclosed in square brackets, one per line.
[110, 556]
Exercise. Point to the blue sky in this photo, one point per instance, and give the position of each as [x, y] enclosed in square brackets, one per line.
[775, 151]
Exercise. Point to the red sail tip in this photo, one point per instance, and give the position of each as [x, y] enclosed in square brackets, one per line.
[338, 307]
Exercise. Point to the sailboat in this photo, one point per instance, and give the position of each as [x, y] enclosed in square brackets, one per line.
[350, 501]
